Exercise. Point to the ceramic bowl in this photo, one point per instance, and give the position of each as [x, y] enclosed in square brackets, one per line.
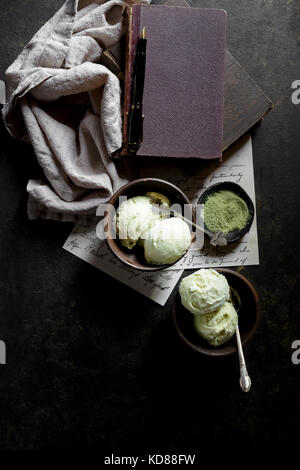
[135, 258]
[248, 318]
[237, 189]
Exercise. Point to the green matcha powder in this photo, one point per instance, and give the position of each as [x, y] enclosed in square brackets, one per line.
[225, 211]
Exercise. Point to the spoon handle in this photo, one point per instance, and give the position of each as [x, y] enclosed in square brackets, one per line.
[245, 381]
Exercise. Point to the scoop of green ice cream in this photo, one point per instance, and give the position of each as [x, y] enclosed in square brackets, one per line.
[134, 217]
[217, 327]
[203, 291]
[167, 241]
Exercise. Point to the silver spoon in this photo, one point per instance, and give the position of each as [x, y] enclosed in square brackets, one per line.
[245, 381]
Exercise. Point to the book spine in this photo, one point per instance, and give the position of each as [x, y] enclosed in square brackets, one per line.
[132, 17]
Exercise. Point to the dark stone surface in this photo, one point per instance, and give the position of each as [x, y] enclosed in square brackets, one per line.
[93, 365]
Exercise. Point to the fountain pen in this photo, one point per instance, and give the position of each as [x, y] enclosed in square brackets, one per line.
[135, 120]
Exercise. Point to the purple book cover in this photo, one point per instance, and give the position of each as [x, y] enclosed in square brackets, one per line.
[184, 80]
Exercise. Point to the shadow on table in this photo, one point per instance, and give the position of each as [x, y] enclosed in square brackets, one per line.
[175, 373]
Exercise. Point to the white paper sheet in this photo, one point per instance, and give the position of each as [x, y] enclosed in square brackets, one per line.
[83, 243]
[237, 166]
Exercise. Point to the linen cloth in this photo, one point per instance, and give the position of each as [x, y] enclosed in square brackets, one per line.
[68, 106]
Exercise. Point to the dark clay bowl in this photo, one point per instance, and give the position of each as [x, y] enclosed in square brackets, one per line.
[135, 257]
[248, 318]
[237, 189]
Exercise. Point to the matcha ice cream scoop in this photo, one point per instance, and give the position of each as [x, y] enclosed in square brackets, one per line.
[217, 327]
[166, 241]
[134, 217]
[203, 291]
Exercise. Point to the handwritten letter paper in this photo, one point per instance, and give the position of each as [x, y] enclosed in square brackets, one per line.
[157, 286]
[237, 166]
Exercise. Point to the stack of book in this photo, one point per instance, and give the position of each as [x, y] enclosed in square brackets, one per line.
[195, 99]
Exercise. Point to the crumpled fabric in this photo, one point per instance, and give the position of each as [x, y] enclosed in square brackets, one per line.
[68, 106]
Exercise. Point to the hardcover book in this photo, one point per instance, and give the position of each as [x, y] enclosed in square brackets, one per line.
[245, 104]
[184, 80]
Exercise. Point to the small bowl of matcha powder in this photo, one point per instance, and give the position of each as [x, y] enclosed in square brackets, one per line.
[227, 207]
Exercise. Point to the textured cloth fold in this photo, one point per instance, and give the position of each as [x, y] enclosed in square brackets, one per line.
[68, 106]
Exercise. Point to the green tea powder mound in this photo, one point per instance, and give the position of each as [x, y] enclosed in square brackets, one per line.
[226, 211]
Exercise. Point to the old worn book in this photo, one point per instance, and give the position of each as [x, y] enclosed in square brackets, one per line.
[245, 104]
[184, 80]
